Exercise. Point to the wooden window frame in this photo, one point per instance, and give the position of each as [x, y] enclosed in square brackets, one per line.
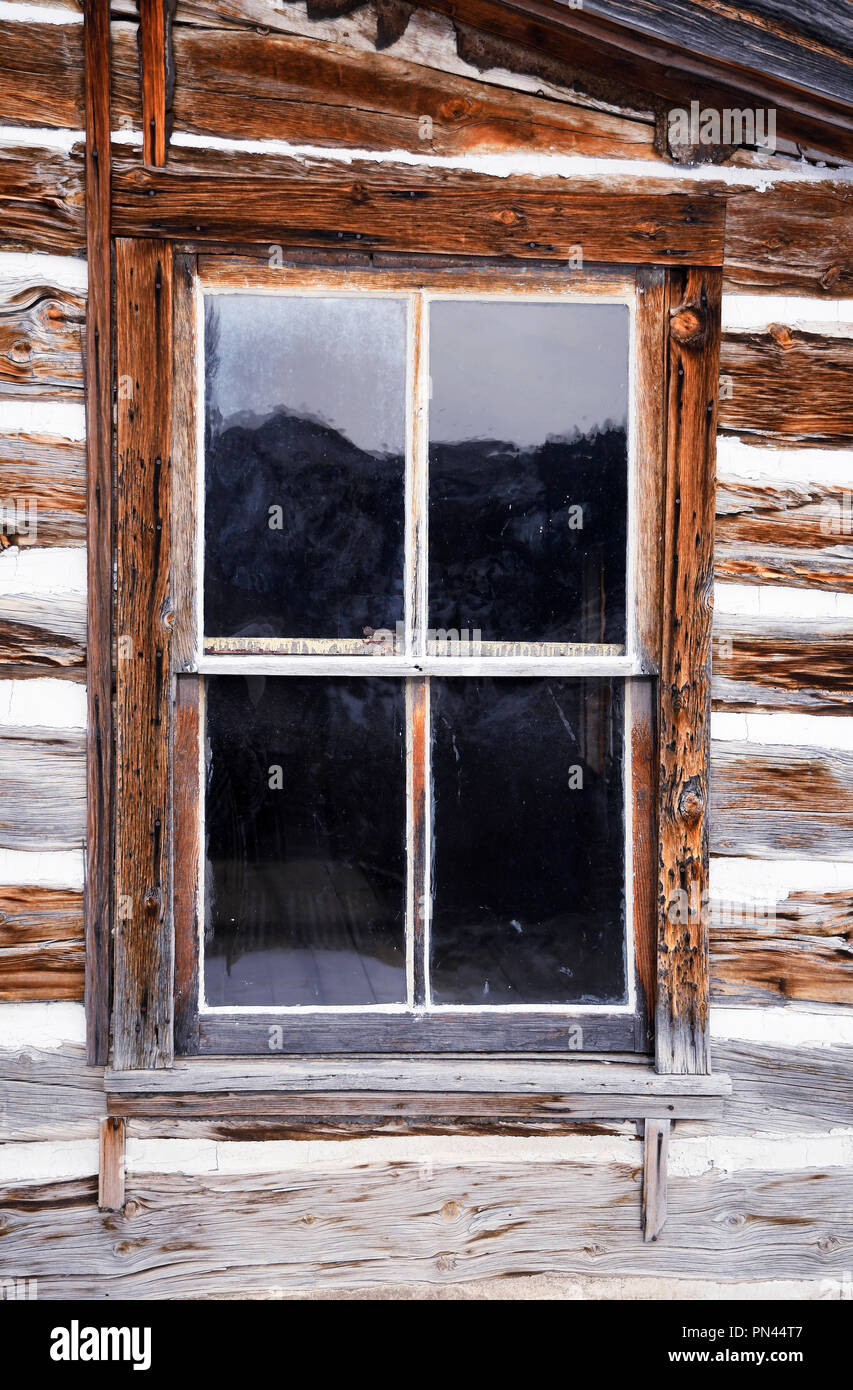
[679, 347]
[418, 1025]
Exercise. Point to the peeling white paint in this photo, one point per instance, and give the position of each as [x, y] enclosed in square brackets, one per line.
[503, 166]
[690, 1158]
[831, 731]
[40, 137]
[793, 1026]
[24, 868]
[738, 460]
[42, 704]
[64, 419]
[746, 312]
[40, 571]
[38, 14]
[48, 1160]
[781, 601]
[36, 267]
[740, 880]
[44, 1026]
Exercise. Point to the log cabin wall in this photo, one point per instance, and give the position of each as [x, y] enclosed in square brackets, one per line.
[761, 1199]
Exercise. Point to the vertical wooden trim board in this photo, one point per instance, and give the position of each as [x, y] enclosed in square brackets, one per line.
[157, 77]
[681, 1031]
[143, 929]
[112, 1136]
[99, 532]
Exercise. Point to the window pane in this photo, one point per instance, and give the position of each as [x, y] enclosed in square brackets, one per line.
[528, 887]
[528, 470]
[304, 443]
[305, 828]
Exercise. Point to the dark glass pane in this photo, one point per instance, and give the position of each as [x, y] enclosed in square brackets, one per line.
[528, 886]
[304, 447]
[528, 470]
[305, 829]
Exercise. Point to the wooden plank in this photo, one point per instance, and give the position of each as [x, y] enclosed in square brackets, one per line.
[778, 802]
[786, 387]
[41, 193]
[49, 1094]
[211, 196]
[185, 503]
[41, 74]
[42, 789]
[99, 526]
[778, 663]
[111, 1164]
[330, 1228]
[800, 948]
[793, 238]
[142, 1029]
[41, 342]
[157, 74]
[443, 1076]
[783, 531]
[655, 1161]
[320, 1123]
[783, 1090]
[684, 716]
[43, 635]
[644, 848]
[262, 1033]
[44, 483]
[41, 943]
[253, 85]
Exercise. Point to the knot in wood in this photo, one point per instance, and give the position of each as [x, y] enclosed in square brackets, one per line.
[506, 215]
[691, 804]
[687, 325]
[457, 109]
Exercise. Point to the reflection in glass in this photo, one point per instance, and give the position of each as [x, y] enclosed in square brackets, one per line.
[305, 402]
[528, 470]
[528, 879]
[305, 831]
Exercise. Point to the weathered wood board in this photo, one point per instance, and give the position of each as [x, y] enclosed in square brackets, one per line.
[44, 478]
[41, 943]
[787, 387]
[779, 530]
[779, 663]
[777, 802]
[42, 789]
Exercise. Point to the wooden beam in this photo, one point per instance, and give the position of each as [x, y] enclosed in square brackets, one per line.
[205, 196]
[157, 77]
[41, 943]
[681, 1032]
[111, 1165]
[786, 387]
[655, 1161]
[142, 1032]
[42, 197]
[99, 522]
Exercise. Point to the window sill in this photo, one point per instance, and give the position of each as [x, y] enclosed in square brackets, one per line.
[578, 1089]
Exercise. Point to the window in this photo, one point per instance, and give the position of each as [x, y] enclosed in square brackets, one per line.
[416, 665]
[410, 591]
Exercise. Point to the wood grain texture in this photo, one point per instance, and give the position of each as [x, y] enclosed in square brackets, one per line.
[41, 943]
[801, 950]
[388, 1222]
[774, 530]
[41, 330]
[49, 1093]
[142, 1028]
[685, 674]
[44, 481]
[41, 193]
[777, 802]
[43, 635]
[111, 1164]
[99, 526]
[251, 85]
[186, 818]
[655, 1176]
[209, 196]
[185, 503]
[778, 663]
[42, 789]
[157, 77]
[791, 239]
[41, 74]
[787, 387]
[783, 1090]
